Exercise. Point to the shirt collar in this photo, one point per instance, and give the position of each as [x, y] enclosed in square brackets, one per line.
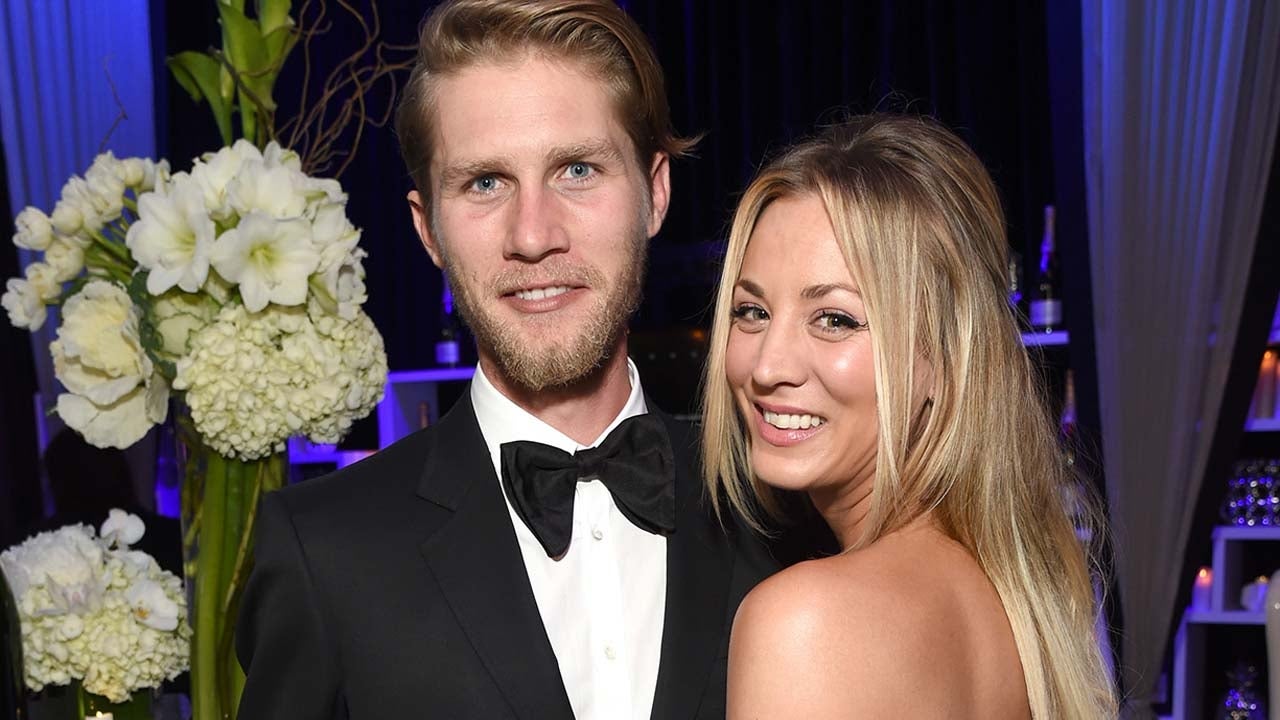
[502, 421]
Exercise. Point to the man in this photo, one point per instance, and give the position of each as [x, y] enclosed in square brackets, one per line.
[542, 552]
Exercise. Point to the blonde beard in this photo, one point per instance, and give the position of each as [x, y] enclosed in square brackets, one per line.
[574, 359]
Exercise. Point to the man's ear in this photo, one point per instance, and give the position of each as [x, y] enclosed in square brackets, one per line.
[422, 223]
[659, 191]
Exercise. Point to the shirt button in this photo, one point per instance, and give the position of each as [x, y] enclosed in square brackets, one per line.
[610, 653]
[598, 534]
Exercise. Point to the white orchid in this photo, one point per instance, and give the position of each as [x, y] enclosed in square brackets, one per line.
[270, 259]
[23, 304]
[172, 238]
[121, 528]
[151, 606]
[33, 230]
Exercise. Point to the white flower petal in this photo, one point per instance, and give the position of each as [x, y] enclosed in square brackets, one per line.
[122, 528]
[33, 230]
[22, 302]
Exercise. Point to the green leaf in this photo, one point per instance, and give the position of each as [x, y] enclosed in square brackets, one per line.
[273, 14]
[244, 41]
[279, 44]
[198, 74]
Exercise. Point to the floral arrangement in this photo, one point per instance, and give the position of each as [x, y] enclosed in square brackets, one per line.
[238, 284]
[94, 611]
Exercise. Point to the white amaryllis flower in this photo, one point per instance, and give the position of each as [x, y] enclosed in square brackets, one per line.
[274, 155]
[277, 191]
[121, 528]
[270, 259]
[215, 170]
[172, 238]
[151, 606]
[23, 303]
[66, 257]
[33, 230]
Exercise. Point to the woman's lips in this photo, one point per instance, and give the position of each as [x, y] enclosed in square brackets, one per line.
[786, 436]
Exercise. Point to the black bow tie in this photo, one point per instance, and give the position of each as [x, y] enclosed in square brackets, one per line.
[634, 462]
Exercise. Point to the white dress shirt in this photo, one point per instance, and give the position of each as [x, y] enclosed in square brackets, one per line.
[602, 603]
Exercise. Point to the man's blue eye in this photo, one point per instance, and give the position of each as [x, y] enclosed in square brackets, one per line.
[485, 184]
[578, 170]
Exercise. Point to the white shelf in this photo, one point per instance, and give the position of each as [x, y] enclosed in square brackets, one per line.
[1240, 532]
[1039, 339]
[1262, 424]
[1226, 617]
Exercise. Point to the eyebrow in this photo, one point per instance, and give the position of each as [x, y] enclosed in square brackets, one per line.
[813, 292]
[600, 148]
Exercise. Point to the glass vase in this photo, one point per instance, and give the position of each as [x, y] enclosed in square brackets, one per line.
[220, 497]
[73, 702]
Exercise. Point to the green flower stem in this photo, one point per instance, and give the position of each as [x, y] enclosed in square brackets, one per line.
[204, 663]
[130, 203]
[115, 248]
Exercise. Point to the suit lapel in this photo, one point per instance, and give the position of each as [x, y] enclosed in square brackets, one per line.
[699, 566]
[476, 561]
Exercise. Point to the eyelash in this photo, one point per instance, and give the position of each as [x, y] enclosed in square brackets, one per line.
[592, 171]
[846, 322]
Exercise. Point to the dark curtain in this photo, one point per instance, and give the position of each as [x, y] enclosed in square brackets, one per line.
[751, 76]
[20, 498]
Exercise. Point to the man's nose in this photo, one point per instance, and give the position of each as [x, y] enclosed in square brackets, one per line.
[537, 227]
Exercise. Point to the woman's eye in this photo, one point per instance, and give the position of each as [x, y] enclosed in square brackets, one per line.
[838, 322]
[749, 314]
[578, 171]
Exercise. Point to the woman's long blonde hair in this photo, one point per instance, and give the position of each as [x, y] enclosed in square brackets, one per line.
[920, 225]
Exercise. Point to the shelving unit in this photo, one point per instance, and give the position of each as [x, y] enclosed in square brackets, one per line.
[1233, 548]
[408, 394]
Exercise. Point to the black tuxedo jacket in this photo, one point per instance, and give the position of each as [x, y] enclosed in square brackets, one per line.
[395, 588]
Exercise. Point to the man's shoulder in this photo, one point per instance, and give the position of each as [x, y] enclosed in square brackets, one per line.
[370, 487]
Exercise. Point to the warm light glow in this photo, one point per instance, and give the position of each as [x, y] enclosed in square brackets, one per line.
[1204, 577]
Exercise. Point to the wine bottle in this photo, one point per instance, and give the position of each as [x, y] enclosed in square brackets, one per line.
[1046, 307]
[1015, 279]
[13, 703]
[1067, 423]
[448, 350]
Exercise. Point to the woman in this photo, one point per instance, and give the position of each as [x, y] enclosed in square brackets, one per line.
[863, 353]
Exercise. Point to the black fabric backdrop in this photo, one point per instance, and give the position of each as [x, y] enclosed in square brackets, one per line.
[752, 76]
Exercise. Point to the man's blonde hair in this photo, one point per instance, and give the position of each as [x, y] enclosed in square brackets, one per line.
[920, 227]
[596, 34]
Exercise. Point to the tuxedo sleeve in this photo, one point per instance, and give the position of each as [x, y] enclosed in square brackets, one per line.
[282, 643]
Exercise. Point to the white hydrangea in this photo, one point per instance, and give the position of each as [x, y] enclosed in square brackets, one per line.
[253, 380]
[107, 616]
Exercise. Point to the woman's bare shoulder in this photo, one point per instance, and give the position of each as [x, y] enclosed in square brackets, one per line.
[856, 633]
[822, 638]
